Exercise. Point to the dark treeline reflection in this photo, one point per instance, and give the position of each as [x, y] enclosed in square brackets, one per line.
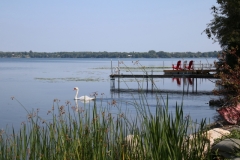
[87, 54]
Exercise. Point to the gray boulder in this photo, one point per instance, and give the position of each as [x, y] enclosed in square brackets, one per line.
[228, 148]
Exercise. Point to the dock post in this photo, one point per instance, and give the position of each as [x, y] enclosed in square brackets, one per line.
[196, 85]
[112, 80]
[183, 84]
[152, 80]
[112, 83]
[111, 67]
[147, 80]
[193, 86]
[187, 87]
[118, 76]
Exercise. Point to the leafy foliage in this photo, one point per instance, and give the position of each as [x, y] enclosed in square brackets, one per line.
[225, 27]
[230, 79]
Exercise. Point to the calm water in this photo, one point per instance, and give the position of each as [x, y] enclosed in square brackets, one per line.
[37, 82]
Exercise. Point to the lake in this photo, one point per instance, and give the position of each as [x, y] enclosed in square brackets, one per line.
[35, 83]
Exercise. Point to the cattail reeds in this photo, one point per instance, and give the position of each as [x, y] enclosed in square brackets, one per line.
[98, 134]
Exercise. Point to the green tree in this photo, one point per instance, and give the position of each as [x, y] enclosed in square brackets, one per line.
[225, 28]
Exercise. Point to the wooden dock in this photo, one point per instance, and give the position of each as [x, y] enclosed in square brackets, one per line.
[170, 74]
[113, 76]
[200, 71]
[189, 74]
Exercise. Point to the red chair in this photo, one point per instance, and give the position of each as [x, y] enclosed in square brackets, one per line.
[190, 66]
[178, 66]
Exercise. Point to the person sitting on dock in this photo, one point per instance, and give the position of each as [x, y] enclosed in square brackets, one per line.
[178, 66]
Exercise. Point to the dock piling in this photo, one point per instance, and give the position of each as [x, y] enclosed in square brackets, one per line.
[119, 75]
[152, 80]
[111, 67]
[147, 79]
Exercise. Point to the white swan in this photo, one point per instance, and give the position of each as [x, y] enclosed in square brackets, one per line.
[82, 98]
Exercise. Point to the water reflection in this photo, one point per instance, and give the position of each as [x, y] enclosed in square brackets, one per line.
[82, 101]
[178, 85]
[186, 81]
[178, 81]
[76, 108]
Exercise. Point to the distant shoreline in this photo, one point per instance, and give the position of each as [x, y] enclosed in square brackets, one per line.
[149, 54]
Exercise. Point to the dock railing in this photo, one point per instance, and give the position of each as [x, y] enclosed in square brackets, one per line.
[203, 66]
[119, 67]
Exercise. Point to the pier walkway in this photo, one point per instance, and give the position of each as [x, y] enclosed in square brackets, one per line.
[113, 76]
[149, 76]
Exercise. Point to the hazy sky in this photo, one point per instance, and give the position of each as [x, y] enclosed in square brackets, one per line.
[105, 25]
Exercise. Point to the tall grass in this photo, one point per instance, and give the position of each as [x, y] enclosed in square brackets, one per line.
[98, 134]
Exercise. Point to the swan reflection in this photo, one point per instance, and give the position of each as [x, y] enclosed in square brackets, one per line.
[76, 108]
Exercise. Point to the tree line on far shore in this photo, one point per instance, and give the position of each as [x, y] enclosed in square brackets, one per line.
[149, 54]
